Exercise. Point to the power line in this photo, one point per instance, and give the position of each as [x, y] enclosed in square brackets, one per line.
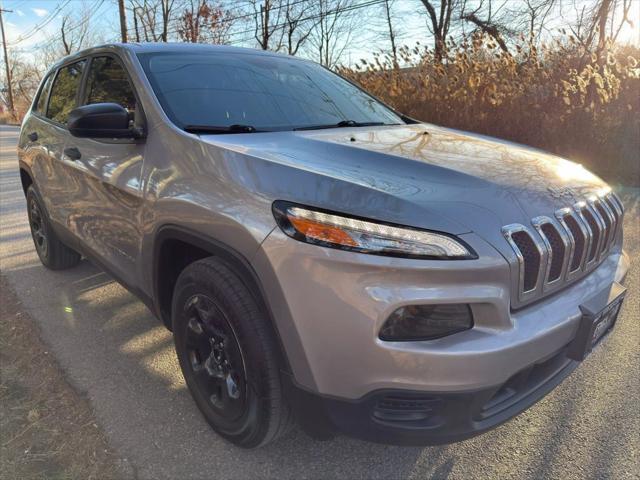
[40, 26]
[175, 30]
[245, 15]
[336, 11]
[81, 22]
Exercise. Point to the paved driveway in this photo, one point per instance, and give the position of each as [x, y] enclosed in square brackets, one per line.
[122, 358]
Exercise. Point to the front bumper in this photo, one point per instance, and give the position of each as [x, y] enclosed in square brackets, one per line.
[329, 306]
[404, 417]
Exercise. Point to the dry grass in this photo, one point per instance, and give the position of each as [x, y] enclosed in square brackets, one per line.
[559, 97]
[6, 119]
[47, 430]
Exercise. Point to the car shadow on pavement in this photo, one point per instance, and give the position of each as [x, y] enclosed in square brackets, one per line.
[108, 340]
[119, 354]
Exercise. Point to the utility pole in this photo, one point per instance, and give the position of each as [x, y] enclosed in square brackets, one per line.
[123, 21]
[6, 65]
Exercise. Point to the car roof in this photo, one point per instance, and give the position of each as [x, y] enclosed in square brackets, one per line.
[154, 47]
[149, 47]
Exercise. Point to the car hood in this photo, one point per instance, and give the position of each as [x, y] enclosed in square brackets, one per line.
[419, 175]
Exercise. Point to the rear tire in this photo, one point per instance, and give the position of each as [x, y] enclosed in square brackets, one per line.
[228, 355]
[52, 252]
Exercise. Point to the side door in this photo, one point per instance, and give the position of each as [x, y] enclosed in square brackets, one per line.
[48, 135]
[106, 215]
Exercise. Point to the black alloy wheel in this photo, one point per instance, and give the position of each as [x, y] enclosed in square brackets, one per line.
[38, 230]
[228, 354]
[53, 253]
[215, 358]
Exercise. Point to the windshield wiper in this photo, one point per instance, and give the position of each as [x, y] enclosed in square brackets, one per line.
[236, 128]
[342, 124]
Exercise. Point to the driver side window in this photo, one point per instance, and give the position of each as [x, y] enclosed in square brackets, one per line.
[108, 83]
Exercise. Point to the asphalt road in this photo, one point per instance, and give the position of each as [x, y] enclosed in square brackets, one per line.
[114, 350]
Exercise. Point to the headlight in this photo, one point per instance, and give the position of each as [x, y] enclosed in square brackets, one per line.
[348, 233]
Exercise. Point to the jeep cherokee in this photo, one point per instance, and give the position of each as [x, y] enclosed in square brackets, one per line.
[317, 255]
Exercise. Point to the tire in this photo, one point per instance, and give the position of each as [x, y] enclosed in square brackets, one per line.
[53, 254]
[228, 355]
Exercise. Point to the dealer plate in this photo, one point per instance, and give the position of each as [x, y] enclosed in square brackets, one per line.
[599, 315]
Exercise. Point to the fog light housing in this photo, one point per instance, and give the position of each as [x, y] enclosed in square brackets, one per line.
[426, 322]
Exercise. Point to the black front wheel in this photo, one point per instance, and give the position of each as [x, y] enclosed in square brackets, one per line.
[227, 354]
[52, 252]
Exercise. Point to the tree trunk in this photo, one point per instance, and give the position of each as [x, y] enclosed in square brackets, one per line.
[392, 34]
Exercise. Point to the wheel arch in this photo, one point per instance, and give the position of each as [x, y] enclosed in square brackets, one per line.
[175, 247]
[26, 178]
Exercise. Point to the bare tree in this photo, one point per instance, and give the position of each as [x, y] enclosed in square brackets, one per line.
[154, 17]
[73, 38]
[334, 30]
[75, 33]
[598, 23]
[266, 20]
[440, 23]
[204, 22]
[605, 10]
[147, 11]
[535, 14]
[488, 25]
[589, 22]
[166, 7]
[298, 25]
[388, 16]
[25, 78]
[625, 9]
[282, 25]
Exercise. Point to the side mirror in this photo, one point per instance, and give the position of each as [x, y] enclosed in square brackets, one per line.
[101, 120]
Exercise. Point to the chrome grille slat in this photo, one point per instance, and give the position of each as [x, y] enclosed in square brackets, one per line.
[620, 206]
[602, 227]
[557, 254]
[616, 208]
[561, 248]
[508, 232]
[578, 236]
[579, 208]
[602, 204]
[615, 216]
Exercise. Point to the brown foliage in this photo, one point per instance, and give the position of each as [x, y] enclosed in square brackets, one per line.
[204, 23]
[557, 97]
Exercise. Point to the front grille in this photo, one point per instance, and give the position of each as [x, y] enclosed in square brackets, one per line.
[558, 250]
[616, 209]
[531, 259]
[579, 238]
[594, 228]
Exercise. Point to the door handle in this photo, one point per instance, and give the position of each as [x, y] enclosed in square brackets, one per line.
[73, 153]
[33, 136]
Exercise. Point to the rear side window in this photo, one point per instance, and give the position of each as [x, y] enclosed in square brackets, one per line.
[64, 91]
[41, 104]
[108, 83]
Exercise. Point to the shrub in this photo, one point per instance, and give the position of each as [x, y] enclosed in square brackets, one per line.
[559, 97]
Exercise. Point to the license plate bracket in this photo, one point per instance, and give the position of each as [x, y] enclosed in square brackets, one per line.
[599, 315]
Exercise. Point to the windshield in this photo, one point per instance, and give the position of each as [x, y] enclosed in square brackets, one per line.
[265, 92]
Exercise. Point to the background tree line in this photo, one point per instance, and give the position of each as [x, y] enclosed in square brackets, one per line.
[549, 73]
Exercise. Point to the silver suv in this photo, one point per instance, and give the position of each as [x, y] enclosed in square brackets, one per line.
[317, 255]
